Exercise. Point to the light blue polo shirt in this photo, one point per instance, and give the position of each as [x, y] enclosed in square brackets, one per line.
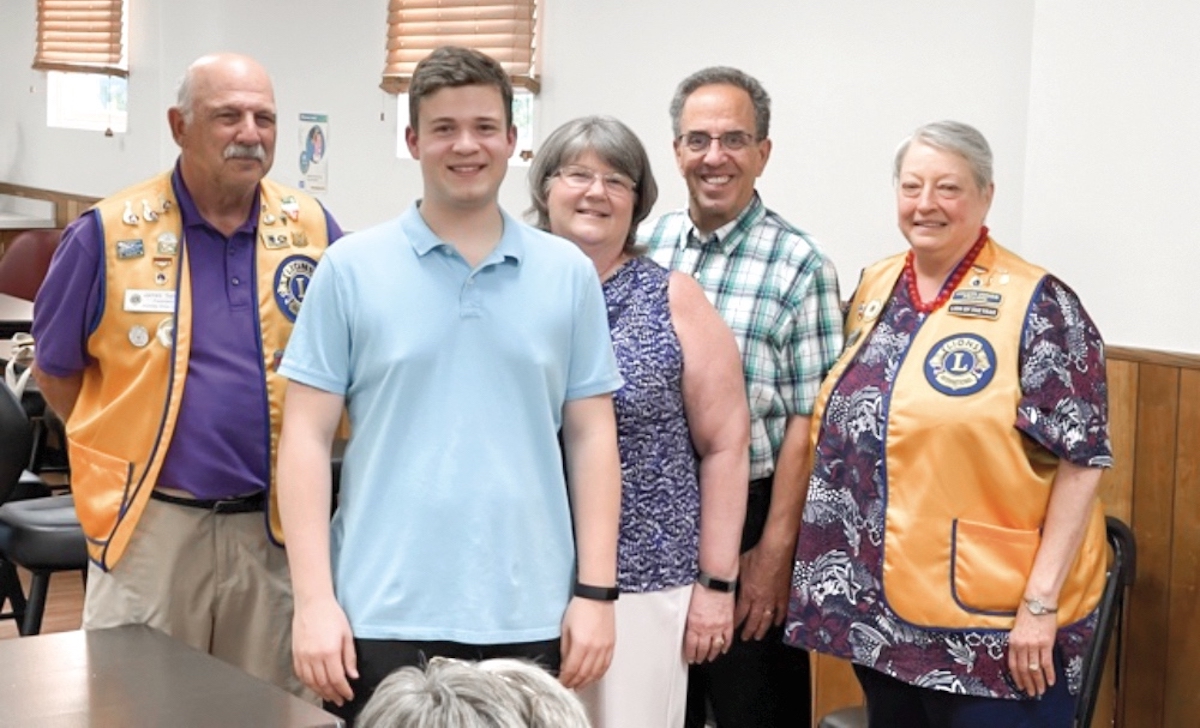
[453, 522]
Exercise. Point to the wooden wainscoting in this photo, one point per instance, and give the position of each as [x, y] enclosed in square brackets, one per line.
[67, 206]
[1154, 411]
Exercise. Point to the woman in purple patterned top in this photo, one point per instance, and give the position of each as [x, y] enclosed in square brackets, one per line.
[952, 544]
[683, 428]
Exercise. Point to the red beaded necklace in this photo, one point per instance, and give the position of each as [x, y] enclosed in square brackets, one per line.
[964, 265]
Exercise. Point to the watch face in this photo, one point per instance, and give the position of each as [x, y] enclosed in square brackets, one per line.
[1036, 607]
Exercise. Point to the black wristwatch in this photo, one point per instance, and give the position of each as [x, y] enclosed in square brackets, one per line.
[708, 581]
[596, 593]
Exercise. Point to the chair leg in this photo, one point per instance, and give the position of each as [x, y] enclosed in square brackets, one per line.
[38, 587]
[10, 590]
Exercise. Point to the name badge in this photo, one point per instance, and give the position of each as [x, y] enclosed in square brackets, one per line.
[143, 300]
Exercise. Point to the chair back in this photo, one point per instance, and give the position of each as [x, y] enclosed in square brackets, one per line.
[16, 442]
[26, 260]
[1121, 572]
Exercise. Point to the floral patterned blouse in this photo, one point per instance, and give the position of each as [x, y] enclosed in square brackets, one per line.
[658, 543]
[837, 603]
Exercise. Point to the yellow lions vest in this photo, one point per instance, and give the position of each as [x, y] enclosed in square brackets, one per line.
[126, 411]
[966, 492]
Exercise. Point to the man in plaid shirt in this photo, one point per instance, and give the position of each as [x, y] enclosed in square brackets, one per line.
[779, 294]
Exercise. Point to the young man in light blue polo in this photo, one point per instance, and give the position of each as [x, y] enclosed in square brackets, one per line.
[461, 341]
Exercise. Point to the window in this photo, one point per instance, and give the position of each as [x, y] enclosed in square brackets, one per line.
[81, 44]
[506, 30]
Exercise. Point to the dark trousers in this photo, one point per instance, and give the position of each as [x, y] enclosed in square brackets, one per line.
[758, 683]
[891, 702]
[379, 658]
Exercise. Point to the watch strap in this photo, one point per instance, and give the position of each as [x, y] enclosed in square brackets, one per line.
[708, 581]
[596, 593]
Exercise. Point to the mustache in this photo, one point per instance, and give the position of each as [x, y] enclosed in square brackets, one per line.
[246, 151]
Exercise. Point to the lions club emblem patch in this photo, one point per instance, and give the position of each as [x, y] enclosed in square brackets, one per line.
[960, 365]
[291, 283]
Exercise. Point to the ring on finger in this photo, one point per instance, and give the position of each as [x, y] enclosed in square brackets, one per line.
[1033, 666]
[719, 641]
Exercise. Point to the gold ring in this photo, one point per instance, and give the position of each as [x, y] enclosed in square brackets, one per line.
[720, 641]
[1034, 666]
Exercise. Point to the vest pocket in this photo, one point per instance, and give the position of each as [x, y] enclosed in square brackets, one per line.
[991, 565]
[99, 482]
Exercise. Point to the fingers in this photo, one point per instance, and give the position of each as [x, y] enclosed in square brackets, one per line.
[582, 665]
[741, 610]
[568, 670]
[760, 617]
[692, 650]
[698, 648]
[1032, 668]
[780, 612]
[325, 661]
[327, 678]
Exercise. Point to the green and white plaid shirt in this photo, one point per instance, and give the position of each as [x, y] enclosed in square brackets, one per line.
[779, 294]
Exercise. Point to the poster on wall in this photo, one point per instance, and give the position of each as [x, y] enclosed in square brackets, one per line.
[314, 152]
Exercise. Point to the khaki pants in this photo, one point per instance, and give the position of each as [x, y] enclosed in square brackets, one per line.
[212, 581]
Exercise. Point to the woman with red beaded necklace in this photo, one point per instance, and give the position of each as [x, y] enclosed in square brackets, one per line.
[952, 544]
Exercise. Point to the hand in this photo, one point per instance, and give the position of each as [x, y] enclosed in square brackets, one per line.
[763, 586]
[1031, 651]
[588, 635]
[709, 625]
[323, 650]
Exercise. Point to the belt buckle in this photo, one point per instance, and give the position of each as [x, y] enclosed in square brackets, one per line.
[245, 504]
[225, 505]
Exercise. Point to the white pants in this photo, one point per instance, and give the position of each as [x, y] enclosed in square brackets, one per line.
[646, 686]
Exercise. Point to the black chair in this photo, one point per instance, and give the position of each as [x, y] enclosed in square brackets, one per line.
[44, 536]
[1119, 579]
[16, 438]
[40, 534]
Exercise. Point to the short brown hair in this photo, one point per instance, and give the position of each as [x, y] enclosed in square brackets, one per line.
[453, 66]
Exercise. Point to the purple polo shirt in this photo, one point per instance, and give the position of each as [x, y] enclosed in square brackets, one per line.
[220, 447]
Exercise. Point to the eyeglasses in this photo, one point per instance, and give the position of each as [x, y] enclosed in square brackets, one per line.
[581, 178]
[731, 141]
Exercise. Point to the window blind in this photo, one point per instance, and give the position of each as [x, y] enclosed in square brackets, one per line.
[84, 36]
[503, 29]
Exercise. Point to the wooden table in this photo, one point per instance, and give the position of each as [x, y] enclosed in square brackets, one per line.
[136, 676]
[16, 315]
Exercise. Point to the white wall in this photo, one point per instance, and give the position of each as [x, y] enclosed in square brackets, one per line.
[1084, 102]
[1113, 163]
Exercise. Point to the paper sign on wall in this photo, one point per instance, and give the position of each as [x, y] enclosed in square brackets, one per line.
[314, 152]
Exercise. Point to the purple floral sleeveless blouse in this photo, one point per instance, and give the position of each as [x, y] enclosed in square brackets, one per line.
[659, 538]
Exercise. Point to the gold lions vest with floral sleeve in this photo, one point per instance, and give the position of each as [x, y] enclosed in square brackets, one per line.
[966, 491]
[124, 417]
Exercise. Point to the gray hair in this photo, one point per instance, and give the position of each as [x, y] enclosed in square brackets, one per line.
[613, 142]
[952, 136]
[732, 77]
[184, 97]
[451, 693]
[546, 703]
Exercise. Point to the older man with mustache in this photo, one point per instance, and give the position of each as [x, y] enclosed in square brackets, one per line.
[159, 330]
